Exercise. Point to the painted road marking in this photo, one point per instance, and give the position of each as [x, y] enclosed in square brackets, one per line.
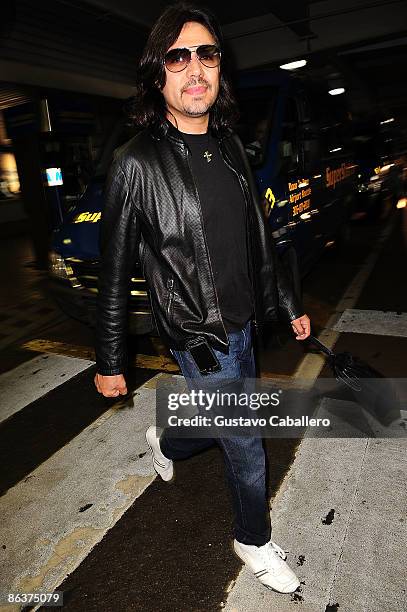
[33, 379]
[376, 322]
[150, 362]
[53, 518]
[59, 348]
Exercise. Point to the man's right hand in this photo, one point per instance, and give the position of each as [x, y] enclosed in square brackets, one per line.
[111, 386]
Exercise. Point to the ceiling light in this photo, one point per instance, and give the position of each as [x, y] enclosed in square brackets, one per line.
[337, 91]
[294, 65]
[390, 120]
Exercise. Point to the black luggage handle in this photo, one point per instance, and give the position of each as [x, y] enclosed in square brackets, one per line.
[321, 346]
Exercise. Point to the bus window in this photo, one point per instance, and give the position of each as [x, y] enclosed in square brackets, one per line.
[334, 128]
[311, 149]
[120, 134]
[256, 108]
[288, 146]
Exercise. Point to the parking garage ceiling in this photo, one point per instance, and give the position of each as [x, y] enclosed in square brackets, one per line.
[93, 46]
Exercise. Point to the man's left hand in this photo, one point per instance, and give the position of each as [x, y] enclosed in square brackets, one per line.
[301, 327]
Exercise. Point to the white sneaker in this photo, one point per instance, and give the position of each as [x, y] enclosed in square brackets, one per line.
[163, 466]
[268, 565]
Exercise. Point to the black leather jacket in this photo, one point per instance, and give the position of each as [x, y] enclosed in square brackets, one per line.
[152, 211]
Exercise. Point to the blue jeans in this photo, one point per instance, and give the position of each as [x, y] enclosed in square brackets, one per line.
[244, 457]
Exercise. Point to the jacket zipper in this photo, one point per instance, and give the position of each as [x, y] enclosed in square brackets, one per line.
[142, 260]
[170, 287]
[206, 247]
[244, 187]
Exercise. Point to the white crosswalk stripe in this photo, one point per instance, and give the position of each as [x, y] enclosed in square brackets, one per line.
[54, 517]
[34, 378]
[381, 323]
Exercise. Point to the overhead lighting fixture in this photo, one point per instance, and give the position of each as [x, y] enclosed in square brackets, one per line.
[390, 120]
[335, 150]
[337, 91]
[294, 65]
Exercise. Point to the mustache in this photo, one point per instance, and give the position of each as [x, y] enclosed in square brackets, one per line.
[195, 82]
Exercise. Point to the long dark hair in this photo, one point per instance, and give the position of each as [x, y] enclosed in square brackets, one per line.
[147, 107]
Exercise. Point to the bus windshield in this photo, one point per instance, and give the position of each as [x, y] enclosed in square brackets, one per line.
[256, 106]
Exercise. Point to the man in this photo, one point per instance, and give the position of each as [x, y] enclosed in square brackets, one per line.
[181, 195]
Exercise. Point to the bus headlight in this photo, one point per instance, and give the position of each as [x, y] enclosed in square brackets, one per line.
[57, 265]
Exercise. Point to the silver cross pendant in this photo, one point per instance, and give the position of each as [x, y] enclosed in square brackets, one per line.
[208, 156]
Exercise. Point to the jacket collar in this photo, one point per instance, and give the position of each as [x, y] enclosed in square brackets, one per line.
[165, 129]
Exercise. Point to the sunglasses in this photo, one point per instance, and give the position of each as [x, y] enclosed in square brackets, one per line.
[178, 59]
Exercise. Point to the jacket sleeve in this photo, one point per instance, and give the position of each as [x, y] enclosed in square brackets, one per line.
[270, 265]
[118, 244]
[289, 303]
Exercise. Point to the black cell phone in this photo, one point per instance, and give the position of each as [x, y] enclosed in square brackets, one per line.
[203, 355]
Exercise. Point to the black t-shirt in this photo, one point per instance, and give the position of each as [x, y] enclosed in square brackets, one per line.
[223, 210]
